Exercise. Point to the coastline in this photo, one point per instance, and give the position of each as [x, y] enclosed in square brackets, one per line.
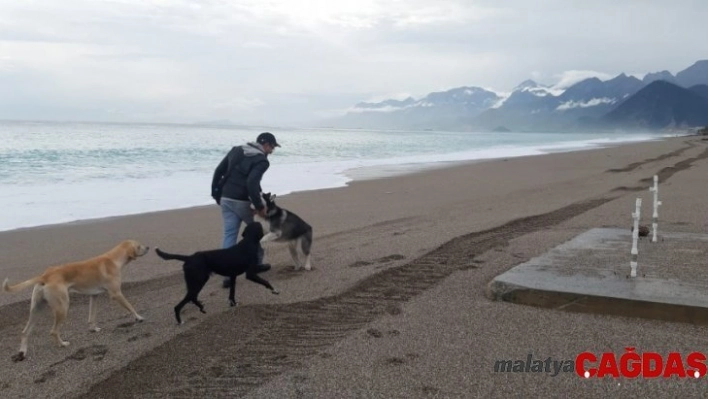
[362, 173]
[440, 335]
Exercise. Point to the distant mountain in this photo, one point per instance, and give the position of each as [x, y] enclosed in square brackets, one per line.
[700, 89]
[526, 107]
[439, 110]
[661, 105]
[385, 106]
[663, 75]
[595, 97]
[534, 107]
[589, 104]
[526, 94]
[696, 74]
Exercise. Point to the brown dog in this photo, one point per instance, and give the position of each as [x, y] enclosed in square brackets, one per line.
[89, 277]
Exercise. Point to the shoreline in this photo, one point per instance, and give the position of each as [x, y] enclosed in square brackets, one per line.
[363, 173]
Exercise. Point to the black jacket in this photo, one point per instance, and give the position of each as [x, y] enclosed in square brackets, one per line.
[244, 182]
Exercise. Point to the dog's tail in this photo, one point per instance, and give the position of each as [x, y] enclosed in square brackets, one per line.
[20, 286]
[166, 256]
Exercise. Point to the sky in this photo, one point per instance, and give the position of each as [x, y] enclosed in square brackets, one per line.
[294, 63]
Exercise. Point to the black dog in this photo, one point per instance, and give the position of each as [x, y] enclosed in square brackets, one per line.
[231, 262]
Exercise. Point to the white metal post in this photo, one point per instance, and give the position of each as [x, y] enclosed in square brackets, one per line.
[655, 216]
[635, 238]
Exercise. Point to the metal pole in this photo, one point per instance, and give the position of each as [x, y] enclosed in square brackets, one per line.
[655, 216]
[635, 238]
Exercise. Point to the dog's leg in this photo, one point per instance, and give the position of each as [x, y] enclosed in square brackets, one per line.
[196, 275]
[178, 308]
[253, 276]
[292, 246]
[308, 266]
[232, 291]
[92, 314]
[35, 304]
[199, 304]
[270, 237]
[117, 295]
[194, 297]
[196, 279]
[58, 298]
[306, 246]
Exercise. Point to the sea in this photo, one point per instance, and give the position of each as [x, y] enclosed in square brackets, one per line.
[58, 172]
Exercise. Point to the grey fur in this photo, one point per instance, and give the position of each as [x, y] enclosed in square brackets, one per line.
[285, 226]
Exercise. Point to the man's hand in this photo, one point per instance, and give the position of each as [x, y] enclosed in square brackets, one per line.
[262, 212]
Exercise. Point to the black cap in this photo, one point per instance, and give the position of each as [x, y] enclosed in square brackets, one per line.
[268, 138]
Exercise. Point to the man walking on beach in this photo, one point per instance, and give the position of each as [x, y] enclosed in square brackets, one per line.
[237, 184]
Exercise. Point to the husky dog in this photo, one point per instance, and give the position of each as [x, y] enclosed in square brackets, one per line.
[286, 226]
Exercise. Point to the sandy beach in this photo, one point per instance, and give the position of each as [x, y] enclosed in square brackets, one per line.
[395, 305]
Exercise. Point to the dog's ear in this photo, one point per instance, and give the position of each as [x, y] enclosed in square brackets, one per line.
[265, 197]
[131, 249]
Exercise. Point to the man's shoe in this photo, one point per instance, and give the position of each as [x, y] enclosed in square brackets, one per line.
[263, 268]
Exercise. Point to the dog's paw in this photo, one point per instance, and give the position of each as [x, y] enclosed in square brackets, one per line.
[64, 344]
[275, 292]
[233, 303]
[95, 329]
[139, 318]
[18, 357]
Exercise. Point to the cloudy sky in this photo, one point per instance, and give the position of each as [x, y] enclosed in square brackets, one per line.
[296, 61]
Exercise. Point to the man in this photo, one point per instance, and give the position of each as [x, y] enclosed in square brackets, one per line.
[242, 169]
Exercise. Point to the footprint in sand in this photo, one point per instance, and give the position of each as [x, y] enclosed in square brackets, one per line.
[47, 375]
[123, 326]
[394, 310]
[97, 352]
[137, 337]
[217, 371]
[395, 361]
[374, 333]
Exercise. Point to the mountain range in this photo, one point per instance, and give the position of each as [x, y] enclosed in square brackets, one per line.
[660, 100]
